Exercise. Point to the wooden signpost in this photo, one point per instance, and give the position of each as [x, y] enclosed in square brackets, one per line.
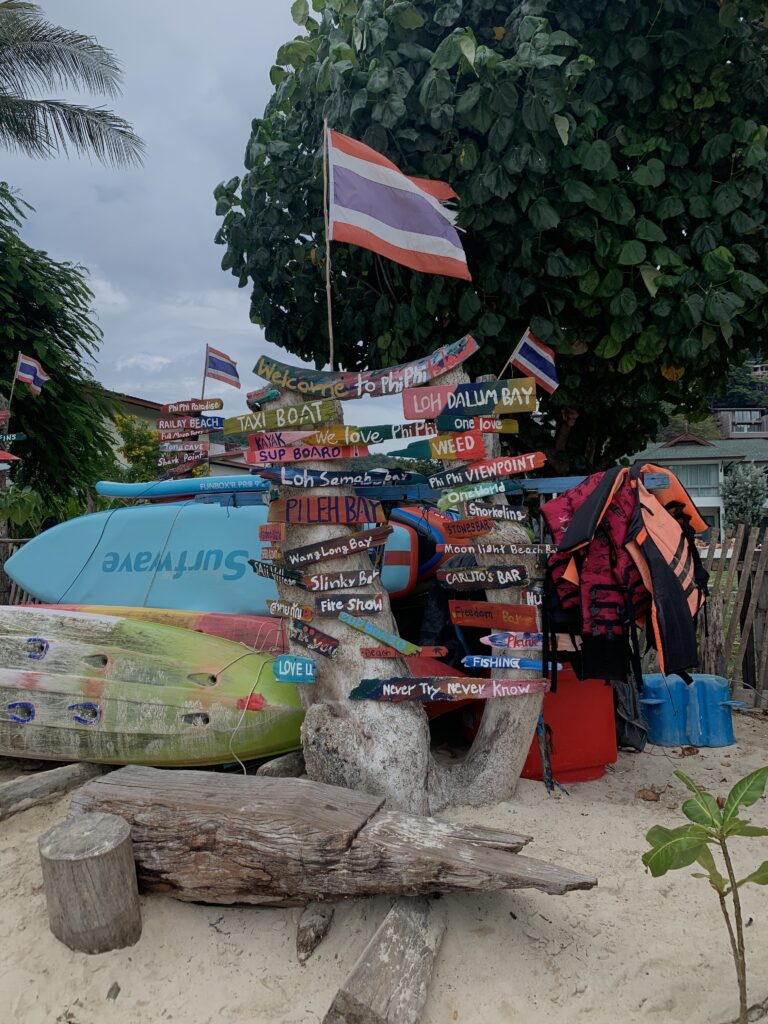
[504, 661]
[201, 447]
[515, 641]
[313, 638]
[489, 548]
[489, 469]
[382, 635]
[10, 438]
[270, 554]
[191, 405]
[196, 423]
[289, 610]
[457, 446]
[338, 547]
[272, 533]
[304, 453]
[277, 439]
[503, 513]
[291, 668]
[455, 496]
[517, 394]
[256, 399]
[176, 435]
[340, 580]
[345, 434]
[186, 467]
[346, 509]
[276, 572]
[444, 688]
[457, 529]
[389, 652]
[487, 613]
[491, 577]
[481, 424]
[287, 476]
[360, 384]
[355, 604]
[187, 459]
[281, 418]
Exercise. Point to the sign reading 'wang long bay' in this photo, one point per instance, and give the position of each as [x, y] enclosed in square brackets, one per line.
[516, 394]
[337, 547]
[391, 381]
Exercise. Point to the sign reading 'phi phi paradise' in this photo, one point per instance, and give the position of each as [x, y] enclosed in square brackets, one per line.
[192, 405]
[445, 688]
[283, 417]
[391, 381]
[517, 394]
[335, 508]
[382, 635]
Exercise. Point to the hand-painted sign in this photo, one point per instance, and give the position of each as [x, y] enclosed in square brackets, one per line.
[304, 453]
[272, 533]
[281, 418]
[481, 424]
[256, 399]
[457, 446]
[181, 458]
[444, 688]
[356, 604]
[191, 405]
[360, 384]
[276, 572]
[489, 469]
[197, 423]
[382, 635]
[491, 577]
[388, 652]
[338, 547]
[176, 435]
[291, 668]
[277, 439]
[457, 529]
[186, 467]
[489, 548]
[372, 435]
[495, 615]
[313, 638]
[185, 446]
[517, 394]
[501, 512]
[287, 476]
[270, 554]
[504, 661]
[289, 610]
[514, 641]
[340, 580]
[331, 509]
[5, 416]
[9, 438]
[455, 496]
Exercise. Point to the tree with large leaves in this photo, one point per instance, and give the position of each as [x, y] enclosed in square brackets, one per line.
[37, 56]
[611, 162]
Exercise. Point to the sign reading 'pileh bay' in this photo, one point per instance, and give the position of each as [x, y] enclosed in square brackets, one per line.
[360, 384]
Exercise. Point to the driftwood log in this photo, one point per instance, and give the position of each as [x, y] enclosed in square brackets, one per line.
[390, 981]
[285, 842]
[19, 794]
[90, 883]
[312, 928]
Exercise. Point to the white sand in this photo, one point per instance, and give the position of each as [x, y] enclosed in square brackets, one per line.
[634, 949]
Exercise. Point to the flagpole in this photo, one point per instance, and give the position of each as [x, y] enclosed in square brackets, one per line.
[326, 218]
[205, 373]
[13, 384]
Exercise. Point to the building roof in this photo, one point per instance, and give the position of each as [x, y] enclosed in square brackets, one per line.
[728, 450]
[143, 403]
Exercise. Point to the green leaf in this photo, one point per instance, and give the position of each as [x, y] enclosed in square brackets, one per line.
[577, 191]
[650, 174]
[726, 199]
[722, 305]
[300, 11]
[649, 231]
[746, 792]
[406, 16]
[608, 348]
[597, 157]
[649, 275]
[670, 206]
[719, 263]
[703, 810]
[759, 876]
[673, 848]
[707, 861]
[378, 80]
[469, 305]
[717, 148]
[448, 14]
[563, 127]
[543, 215]
[490, 324]
[535, 114]
[447, 54]
[627, 363]
[631, 253]
[740, 827]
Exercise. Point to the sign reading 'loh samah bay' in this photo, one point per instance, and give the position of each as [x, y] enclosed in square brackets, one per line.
[360, 384]
[499, 512]
[289, 610]
[516, 394]
[337, 547]
[481, 424]
[335, 508]
[491, 577]
[283, 417]
[313, 638]
[356, 604]
[495, 615]
[382, 635]
[286, 476]
[304, 453]
[191, 405]
[444, 688]
[503, 465]
[372, 435]
[340, 580]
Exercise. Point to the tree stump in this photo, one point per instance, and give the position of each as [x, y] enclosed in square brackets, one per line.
[90, 883]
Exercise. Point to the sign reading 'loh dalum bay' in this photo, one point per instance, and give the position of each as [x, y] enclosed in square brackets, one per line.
[391, 381]
[516, 394]
[444, 688]
[284, 417]
[503, 465]
[331, 509]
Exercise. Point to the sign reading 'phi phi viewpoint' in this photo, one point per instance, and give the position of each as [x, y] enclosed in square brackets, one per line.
[445, 688]
[517, 394]
[391, 381]
[331, 509]
[504, 465]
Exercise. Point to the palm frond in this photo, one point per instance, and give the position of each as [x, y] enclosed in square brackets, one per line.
[43, 128]
[36, 55]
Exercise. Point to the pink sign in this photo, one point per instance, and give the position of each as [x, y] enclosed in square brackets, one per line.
[277, 439]
[304, 453]
[426, 403]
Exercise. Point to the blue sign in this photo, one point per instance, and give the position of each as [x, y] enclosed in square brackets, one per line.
[6, 438]
[291, 668]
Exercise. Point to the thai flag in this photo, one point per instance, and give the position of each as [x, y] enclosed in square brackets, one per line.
[221, 367]
[376, 206]
[535, 359]
[31, 372]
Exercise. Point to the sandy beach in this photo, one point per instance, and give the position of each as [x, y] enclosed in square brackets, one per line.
[634, 949]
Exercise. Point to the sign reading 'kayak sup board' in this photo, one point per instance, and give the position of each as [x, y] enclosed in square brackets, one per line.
[445, 688]
[304, 453]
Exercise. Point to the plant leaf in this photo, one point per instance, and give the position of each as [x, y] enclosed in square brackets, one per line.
[759, 876]
[673, 848]
[703, 808]
[707, 861]
[745, 793]
[739, 827]
[563, 126]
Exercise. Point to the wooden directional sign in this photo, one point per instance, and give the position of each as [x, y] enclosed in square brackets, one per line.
[457, 446]
[284, 417]
[9, 438]
[182, 458]
[504, 661]
[371, 435]
[481, 424]
[444, 688]
[501, 397]
[270, 554]
[197, 423]
[276, 572]
[514, 641]
[499, 512]
[491, 577]
[355, 604]
[289, 610]
[176, 435]
[366, 382]
[489, 469]
[201, 447]
[489, 548]
[497, 616]
[256, 399]
[331, 509]
[382, 635]
[186, 467]
[455, 496]
[272, 533]
[313, 638]
[277, 439]
[191, 405]
[459, 529]
[288, 476]
[304, 453]
[340, 580]
[389, 652]
[291, 668]
[338, 547]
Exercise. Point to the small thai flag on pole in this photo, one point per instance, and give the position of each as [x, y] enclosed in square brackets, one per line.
[220, 366]
[535, 359]
[30, 372]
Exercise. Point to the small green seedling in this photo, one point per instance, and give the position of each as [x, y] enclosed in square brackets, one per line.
[714, 823]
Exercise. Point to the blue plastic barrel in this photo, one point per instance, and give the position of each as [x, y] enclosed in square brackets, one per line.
[680, 714]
